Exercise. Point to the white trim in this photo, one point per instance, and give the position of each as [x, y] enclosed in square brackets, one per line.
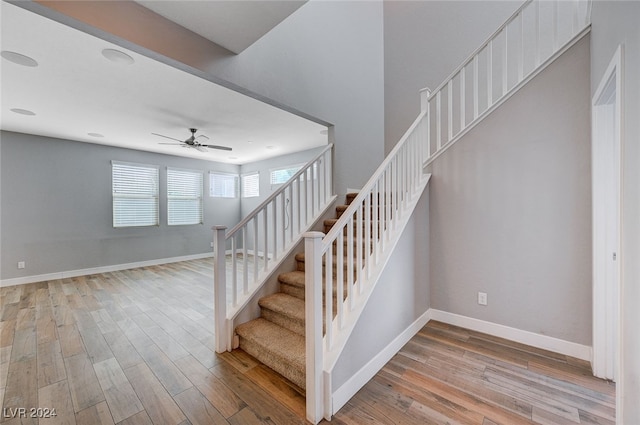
[342, 395]
[544, 342]
[607, 153]
[102, 269]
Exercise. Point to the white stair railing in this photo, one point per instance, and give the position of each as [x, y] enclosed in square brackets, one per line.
[248, 254]
[357, 248]
[537, 33]
[359, 244]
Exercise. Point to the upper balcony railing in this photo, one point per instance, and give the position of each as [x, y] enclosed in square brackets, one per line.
[531, 38]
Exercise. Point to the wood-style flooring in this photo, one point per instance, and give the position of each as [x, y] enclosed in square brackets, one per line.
[137, 347]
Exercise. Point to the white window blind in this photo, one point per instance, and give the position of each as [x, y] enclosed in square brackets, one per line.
[223, 185]
[251, 185]
[184, 197]
[282, 175]
[135, 194]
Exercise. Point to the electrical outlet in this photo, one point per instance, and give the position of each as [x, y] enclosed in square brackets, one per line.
[482, 298]
[21, 264]
[211, 244]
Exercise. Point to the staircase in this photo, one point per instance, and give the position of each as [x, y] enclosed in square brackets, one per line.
[305, 329]
[276, 338]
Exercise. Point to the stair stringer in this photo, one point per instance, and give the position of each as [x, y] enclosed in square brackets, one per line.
[334, 399]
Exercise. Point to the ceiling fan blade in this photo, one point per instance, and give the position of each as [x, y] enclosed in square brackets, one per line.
[167, 137]
[223, 148]
[200, 148]
[202, 135]
[174, 144]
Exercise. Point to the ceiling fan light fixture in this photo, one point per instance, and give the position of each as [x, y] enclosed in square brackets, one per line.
[22, 111]
[117, 56]
[19, 59]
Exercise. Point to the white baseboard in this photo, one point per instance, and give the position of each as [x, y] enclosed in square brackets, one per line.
[544, 342]
[342, 395]
[103, 269]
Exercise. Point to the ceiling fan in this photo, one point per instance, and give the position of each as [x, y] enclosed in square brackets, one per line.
[192, 142]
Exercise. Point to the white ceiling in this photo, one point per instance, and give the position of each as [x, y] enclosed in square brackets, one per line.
[75, 91]
[232, 24]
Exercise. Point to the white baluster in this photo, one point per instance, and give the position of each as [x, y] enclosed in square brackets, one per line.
[475, 88]
[450, 110]
[490, 74]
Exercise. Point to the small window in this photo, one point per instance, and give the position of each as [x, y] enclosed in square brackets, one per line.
[223, 185]
[282, 175]
[251, 185]
[184, 197]
[135, 194]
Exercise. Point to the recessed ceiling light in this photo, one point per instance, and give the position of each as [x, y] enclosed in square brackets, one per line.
[95, 134]
[117, 56]
[270, 147]
[22, 111]
[19, 59]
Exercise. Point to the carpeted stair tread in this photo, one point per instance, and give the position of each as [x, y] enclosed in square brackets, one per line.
[284, 310]
[278, 348]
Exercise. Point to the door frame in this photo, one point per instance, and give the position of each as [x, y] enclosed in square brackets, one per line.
[607, 221]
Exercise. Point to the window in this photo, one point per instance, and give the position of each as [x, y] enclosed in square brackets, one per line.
[184, 197]
[282, 175]
[251, 185]
[223, 185]
[135, 194]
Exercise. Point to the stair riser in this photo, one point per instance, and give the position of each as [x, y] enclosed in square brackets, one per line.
[286, 322]
[355, 229]
[345, 267]
[294, 291]
[298, 292]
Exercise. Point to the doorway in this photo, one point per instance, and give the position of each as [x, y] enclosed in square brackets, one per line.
[606, 183]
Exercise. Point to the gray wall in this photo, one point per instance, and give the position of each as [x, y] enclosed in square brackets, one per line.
[615, 23]
[57, 209]
[511, 210]
[424, 41]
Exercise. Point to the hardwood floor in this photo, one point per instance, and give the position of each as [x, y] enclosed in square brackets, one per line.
[136, 347]
[449, 375]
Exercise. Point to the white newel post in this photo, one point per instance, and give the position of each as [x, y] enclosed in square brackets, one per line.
[220, 288]
[424, 108]
[313, 325]
[424, 98]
